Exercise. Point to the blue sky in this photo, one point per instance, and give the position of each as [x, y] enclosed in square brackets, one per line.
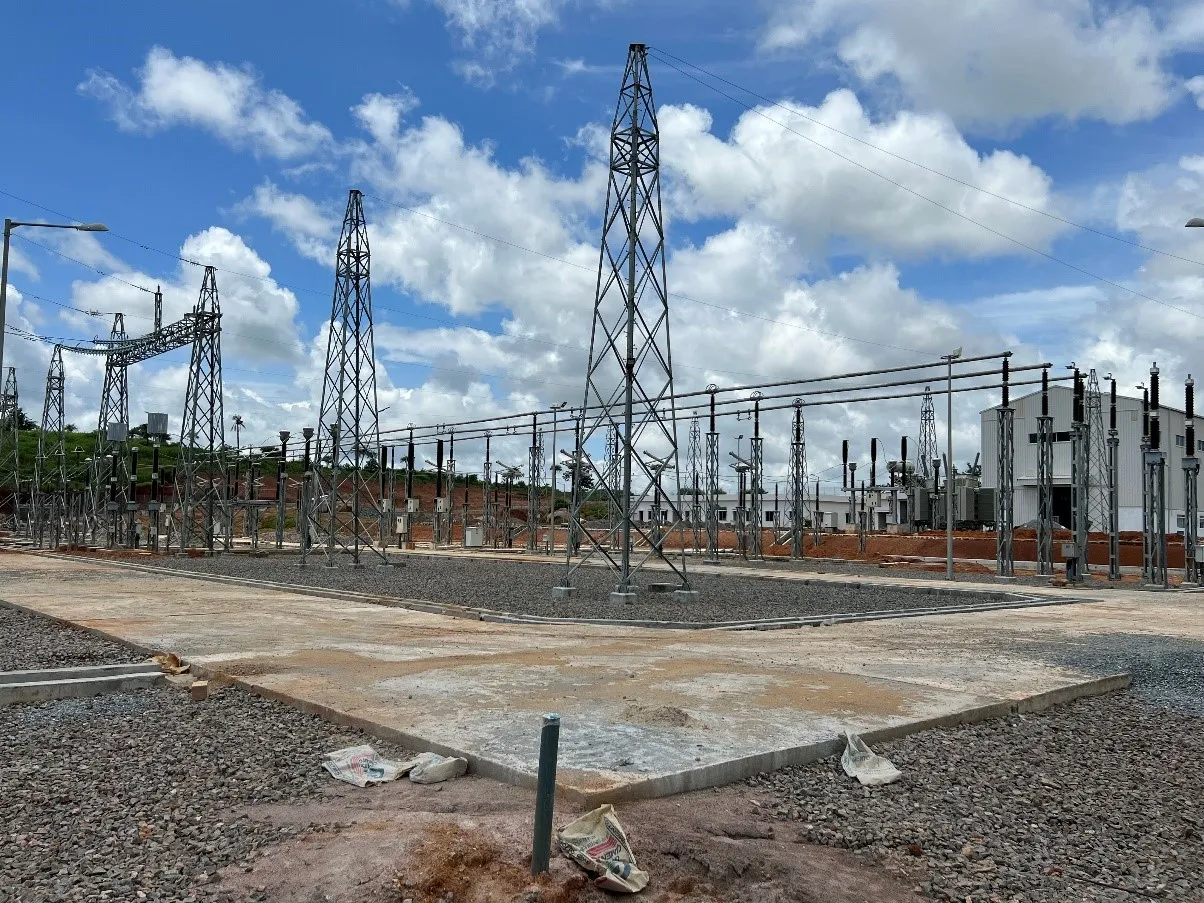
[230, 133]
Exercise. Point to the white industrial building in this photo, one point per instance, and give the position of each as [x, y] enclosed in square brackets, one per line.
[1128, 426]
[834, 508]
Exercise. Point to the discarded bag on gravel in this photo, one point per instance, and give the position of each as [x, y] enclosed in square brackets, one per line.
[862, 763]
[597, 842]
[362, 765]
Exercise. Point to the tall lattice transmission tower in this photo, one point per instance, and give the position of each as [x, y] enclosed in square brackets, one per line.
[50, 467]
[1097, 468]
[200, 489]
[109, 469]
[349, 428]
[694, 476]
[629, 379]
[929, 451]
[10, 458]
[800, 506]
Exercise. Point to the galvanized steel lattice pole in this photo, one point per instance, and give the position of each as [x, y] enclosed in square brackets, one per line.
[349, 423]
[1045, 483]
[694, 475]
[1079, 474]
[712, 484]
[50, 470]
[798, 482]
[756, 470]
[109, 476]
[1005, 562]
[1191, 473]
[1155, 467]
[10, 458]
[629, 380]
[200, 488]
[1113, 488]
[1097, 463]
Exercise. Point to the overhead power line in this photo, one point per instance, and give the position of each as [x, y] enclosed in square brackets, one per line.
[969, 219]
[936, 172]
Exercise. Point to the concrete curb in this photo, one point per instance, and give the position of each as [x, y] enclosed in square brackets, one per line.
[70, 683]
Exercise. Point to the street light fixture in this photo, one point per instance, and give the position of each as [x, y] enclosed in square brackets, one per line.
[1195, 222]
[9, 225]
[950, 486]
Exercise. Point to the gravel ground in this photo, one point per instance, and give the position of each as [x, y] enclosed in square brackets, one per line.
[525, 587]
[142, 795]
[1098, 800]
[1166, 671]
[862, 568]
[31, 642]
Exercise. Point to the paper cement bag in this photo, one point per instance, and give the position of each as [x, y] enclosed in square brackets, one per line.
[869, 768]
[596, 842]
[361, 766]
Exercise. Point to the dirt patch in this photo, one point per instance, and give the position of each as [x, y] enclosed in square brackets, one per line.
[660, 715]
[472, 838]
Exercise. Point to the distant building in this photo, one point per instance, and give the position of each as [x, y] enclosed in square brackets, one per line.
[833, 508]
[1128, 425]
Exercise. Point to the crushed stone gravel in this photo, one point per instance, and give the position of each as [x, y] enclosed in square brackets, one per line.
[143, 795]
[1097, 800]
[28, 642]
[526, 588]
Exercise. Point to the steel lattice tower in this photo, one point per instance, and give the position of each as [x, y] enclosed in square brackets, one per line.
[109, 468]
[535, 471]
[693, 468]
[799, 505]
[629, 379]
[349, 423]
[756, 473]
[50, 467]
[1097, 506]
[929, 450]
[712, 484]
[1005, 560]
[1045, 482]
[200, 487]
[10, 458]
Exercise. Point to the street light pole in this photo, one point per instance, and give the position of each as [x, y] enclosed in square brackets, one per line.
[950, 485]
[9, 225]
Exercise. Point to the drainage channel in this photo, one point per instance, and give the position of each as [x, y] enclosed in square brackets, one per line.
[1013, 602]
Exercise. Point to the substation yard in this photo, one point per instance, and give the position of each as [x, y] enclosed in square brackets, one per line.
[1028, 774]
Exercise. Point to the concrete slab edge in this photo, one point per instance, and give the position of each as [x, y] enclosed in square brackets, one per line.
[1015, 600]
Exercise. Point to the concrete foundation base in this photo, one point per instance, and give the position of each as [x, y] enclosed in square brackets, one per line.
[685, 595]
[646, 711]
[623, 598]
[562, 592]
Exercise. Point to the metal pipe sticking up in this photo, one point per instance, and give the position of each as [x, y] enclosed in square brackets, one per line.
[1079, 481]
[437, 517]
[712, 485]
[304, 522]
[281, 487]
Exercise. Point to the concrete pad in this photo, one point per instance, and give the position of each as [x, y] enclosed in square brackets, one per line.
[645, 711]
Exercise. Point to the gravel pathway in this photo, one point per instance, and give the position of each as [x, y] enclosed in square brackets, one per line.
[525, 587]
[142, 795]
[1098, 800]
[28, 642]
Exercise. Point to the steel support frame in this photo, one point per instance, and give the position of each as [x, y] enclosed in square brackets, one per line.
[712, 496]
[1155, 469]
[1113, 505]
[1005, 495]
[1045, 495]
[1191, 473]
